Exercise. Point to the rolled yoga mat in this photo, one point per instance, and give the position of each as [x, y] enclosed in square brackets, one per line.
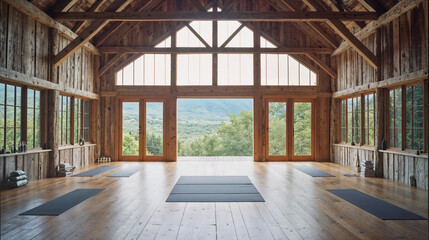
[65, 202]
[375, 206]
[214, 189]
[95, 171]
[127, 171]
[314, 172]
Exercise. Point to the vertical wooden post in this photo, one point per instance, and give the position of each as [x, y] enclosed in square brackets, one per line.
[72, 126]
[24, 107]
[258, 104]
[171, 108]
[214, 44]
[335, 128]
[380, 130]
[53, 143]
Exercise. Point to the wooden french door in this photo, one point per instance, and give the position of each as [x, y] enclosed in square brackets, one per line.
[142, 129]
[290, 129]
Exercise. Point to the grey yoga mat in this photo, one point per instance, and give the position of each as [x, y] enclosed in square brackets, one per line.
[65, 202]
[95, 171]
[127, 171]
[314, 172]
[214, 189]
[375, 206]
[216, 180]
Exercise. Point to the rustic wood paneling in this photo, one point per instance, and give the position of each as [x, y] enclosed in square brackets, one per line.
[403, 49]
[348, 156]
[400, 168]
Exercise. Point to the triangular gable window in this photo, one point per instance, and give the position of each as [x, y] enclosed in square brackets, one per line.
[233, 69]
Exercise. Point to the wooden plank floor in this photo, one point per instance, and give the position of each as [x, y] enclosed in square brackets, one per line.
[297, 206]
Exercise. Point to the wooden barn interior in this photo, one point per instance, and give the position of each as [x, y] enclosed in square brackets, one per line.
[68, 69]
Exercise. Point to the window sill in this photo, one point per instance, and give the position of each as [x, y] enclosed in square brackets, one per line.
[406, 153]
[76, 146]
[25, 153]
[363, 147]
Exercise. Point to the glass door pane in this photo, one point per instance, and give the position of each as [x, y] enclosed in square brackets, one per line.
[154, 128]
[302, 129]
[277, 129]
[130, 128]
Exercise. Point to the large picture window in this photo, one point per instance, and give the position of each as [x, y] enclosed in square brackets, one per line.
[64, 120]
[10, 121]
[77, 119]
[33, 118]
[87, 120]
[353, 111]
[415, 117]
[395, 118]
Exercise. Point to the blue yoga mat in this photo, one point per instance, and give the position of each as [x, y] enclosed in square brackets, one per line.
[95, 171]
[375, 206]
[127, 171]
[65, 202]
[314, 172]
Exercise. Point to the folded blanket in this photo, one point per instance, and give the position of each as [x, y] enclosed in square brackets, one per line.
[22, 177]
[17, 173]
[16, 184]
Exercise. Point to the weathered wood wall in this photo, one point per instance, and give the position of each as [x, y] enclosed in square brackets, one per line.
[399, 167]
[35, 165]
[401, 47]
[25, 48]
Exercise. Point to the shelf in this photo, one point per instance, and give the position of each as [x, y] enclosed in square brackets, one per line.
[423, 155]
[76, 146]
[25, 153]
[355, 146]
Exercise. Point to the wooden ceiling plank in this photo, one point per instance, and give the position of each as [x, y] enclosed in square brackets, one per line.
[372, 5]
[344, 32]
[94, 8]
[298, 16]
[88, 33]
[63, 5]
[32, 11]
[119, 29]
[198, 5]
[197, 35]
[396, 11]
[293, 5]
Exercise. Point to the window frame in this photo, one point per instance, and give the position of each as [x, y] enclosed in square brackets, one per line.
[403, 128]
[362, 122]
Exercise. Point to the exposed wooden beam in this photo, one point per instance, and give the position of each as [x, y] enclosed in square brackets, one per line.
[32, 11]
[331, 72]
[28, 80]
[396, 11]
[117, 30]
[344, 32]
[195, 50]
[62, 6]
[88, 33]
[308, 27]
[197, 35]
[110, 63]
[233, 35]
[391, 82]
[94, 8]
[205, 16]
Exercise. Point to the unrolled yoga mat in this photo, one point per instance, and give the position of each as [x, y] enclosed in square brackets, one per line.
[375, 206]
[95, 171]
[126, 172]
[65, 202]
[217, 180]
[314, 172]
[214, 189]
